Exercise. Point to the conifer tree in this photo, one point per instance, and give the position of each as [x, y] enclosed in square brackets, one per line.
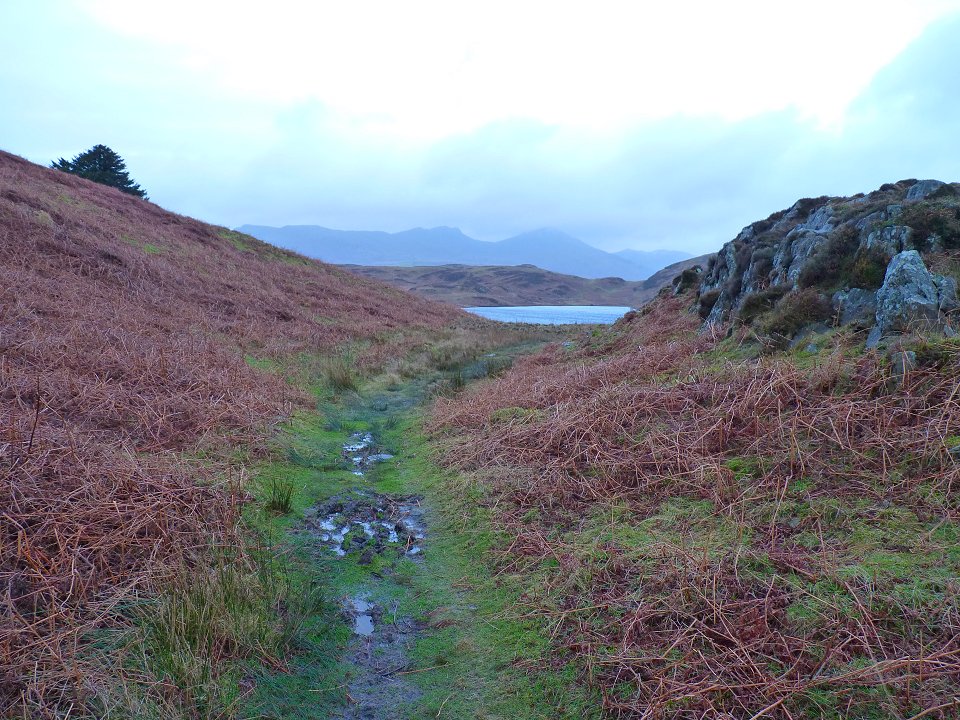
[102, 165]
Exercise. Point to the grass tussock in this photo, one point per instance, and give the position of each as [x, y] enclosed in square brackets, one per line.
[714, 533]
[194, 634]
[280, 495]
[337, 373]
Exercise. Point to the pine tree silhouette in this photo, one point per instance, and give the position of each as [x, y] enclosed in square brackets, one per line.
[102, 165]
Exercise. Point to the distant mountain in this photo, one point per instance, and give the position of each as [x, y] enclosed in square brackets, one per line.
[546, 248]
[473, 285]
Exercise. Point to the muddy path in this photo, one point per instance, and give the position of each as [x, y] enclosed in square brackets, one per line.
[382, 527]
[385, 534]
[413, 623]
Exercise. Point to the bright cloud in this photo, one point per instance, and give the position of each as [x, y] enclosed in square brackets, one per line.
[627, 124]
[434, 68]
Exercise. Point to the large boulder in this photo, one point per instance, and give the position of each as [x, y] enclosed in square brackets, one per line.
[911, 297]
[855, 305]
[923, 188]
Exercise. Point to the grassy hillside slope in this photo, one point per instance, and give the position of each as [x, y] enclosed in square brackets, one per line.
[497, 285]
[133, 343]
[718, 531]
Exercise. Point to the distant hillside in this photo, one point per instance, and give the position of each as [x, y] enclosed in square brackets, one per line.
[472, 285]
[653, 260]
[545, 248]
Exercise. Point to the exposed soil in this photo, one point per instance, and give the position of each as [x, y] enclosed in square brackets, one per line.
[363, 524]
[379, 686]
[370, 523]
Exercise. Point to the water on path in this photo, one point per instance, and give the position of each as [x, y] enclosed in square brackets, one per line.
[358, 526]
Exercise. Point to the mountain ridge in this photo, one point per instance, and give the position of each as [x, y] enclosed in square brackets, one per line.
[450, 246]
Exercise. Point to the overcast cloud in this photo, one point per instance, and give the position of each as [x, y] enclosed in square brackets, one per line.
[626, 129]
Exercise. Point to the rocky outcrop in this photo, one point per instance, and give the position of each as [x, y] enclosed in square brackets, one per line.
[924, 188]
[863, 253]
[911, 298]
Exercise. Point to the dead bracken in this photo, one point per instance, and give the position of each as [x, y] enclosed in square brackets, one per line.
[134, 340]
[713, 533]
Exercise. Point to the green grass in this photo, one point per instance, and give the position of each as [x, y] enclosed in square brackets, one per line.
[476, 659]
[190, 645]
[248, 243]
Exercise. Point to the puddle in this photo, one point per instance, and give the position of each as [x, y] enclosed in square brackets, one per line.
[380, 659]
[369, 523]
[372, 527]
[362, 616]
[360, 451]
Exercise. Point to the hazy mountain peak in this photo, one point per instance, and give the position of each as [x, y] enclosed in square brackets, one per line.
[547, 248]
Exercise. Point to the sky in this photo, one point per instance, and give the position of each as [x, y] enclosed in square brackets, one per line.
[626, 124]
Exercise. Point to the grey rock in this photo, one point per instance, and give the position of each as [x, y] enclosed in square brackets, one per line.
[868, 221]
[720, 310]
[757, 274]
[855, 305]
[924, 188]
[946, 292]
[911, 296]
[792, 255]
[894, 211]
[902, 362]
[892, 239]
[789, 220]
[724, 267]
[820, 221]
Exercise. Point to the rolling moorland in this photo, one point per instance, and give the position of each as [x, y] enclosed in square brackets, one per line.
[546, 248]
[148, 360]
[492, 286]
[241, 483]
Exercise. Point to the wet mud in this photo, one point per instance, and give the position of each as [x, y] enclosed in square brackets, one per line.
[361, 525]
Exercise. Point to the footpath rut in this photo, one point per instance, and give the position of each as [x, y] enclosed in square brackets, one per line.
[372, 526]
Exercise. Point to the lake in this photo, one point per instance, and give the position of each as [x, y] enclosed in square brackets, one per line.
[553, 314]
